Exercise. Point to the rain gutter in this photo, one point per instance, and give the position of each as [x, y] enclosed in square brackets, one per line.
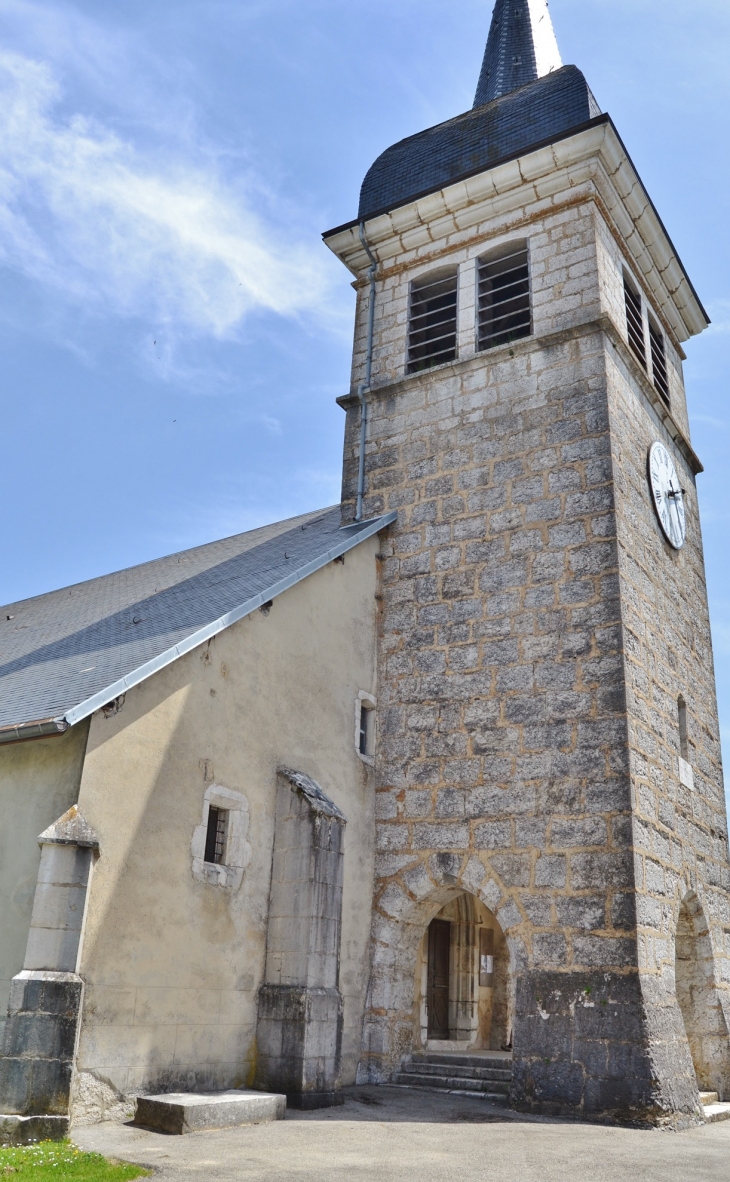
[364, 387]
[349, 536]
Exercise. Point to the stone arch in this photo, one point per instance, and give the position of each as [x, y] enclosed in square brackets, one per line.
[403, 911]
[698, 997]
[479, 1014]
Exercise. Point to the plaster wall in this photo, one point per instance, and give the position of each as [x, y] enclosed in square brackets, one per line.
[39, 781]
[172, 963]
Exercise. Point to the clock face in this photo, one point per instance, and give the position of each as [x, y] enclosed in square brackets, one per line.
[668, 495]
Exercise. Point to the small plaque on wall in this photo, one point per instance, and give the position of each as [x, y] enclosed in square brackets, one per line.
[486, 958]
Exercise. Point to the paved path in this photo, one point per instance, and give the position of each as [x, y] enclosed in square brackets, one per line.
[393, 1135]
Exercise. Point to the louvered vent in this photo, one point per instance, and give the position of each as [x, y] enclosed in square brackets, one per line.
[635, 322]
[432, 321]
[504, 298]
[659, 362]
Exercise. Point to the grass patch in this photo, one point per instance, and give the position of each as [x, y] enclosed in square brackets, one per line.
[61, 1159]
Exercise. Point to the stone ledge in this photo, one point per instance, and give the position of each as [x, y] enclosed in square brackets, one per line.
[186, 1112]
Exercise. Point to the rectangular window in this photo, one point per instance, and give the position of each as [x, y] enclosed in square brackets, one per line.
[635, 322]
[365, 730]
[504, 298]
[659, 361]
[683, 732]
[215, 840]
[432, 321]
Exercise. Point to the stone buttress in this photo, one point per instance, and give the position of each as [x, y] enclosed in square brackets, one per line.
[299, 1031]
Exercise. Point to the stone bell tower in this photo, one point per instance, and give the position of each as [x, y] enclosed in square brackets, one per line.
[548, 739]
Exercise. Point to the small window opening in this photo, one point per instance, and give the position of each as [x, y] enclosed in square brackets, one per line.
[432, 321]
[366, 725]
[215, 841]
[504, 298]
[683, 735]
[659, 361]
[635, 322]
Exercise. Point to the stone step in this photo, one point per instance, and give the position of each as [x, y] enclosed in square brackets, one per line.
[496, 1073]
[709, 1098]
[485, 1060]
[184, 1112]
[715, 1112]
[452, 1083]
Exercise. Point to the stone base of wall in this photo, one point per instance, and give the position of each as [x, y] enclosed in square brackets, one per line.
[39, 1039]
[299, 1037]
[583, 1049]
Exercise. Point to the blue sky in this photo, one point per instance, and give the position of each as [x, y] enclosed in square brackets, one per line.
[173, 332]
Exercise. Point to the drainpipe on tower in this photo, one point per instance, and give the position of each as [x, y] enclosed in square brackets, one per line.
[364, 387]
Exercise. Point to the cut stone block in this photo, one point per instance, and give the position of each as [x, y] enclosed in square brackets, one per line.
[185, 1112]
[25, 1130]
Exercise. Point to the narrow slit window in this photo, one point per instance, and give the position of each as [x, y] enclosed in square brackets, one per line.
[366, 722]
[683, 735]
[215, 841]
[432, 321]
[635, 322]
[504, 298]
[659, 361]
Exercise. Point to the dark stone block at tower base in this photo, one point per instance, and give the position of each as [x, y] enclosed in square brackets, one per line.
[588, 1046]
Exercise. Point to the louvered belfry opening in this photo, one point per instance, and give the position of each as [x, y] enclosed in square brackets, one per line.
[659, 362]
[215, 838]
[635, 322]
[432, 321]
[504, 297]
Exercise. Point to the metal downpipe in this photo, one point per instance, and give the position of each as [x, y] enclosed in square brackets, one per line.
[364, 387]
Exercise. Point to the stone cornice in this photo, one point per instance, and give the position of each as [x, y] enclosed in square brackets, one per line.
[454, 215]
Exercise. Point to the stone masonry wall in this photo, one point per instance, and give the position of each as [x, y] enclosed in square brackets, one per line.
[503, 763]
[679, 836]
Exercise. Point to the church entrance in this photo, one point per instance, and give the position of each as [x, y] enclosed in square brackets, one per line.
[439, 963]
[462, 980]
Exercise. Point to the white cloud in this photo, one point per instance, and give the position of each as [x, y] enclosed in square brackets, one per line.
[124, 230]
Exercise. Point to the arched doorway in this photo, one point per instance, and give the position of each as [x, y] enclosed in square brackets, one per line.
[698, 1000]
[462, 979]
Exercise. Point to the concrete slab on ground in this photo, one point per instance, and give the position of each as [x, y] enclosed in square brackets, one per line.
[402, 1136]
[189, 1112]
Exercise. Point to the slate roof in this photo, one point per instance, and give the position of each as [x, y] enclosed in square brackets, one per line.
[539, 112]
[70, 652]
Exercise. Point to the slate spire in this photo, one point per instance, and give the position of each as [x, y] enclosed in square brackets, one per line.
[521, 48]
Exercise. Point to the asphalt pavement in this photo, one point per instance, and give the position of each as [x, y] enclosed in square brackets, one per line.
[400, 1135]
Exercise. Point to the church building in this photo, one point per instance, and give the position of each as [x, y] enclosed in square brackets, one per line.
[423, 789]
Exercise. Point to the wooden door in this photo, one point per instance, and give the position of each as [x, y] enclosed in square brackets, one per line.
[437, 997]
